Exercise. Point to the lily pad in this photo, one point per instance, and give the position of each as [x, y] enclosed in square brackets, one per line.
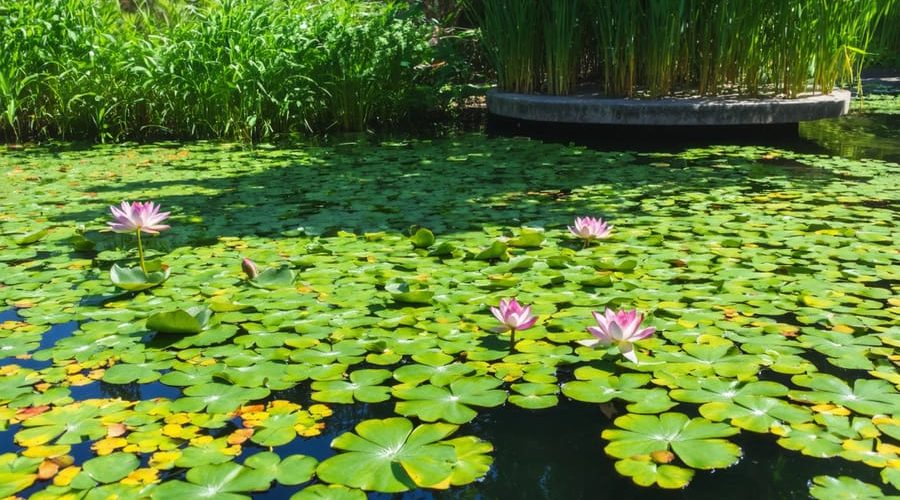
[180, 321]
[134, 279]
[697, 442]
[391, 456]
[274, 278]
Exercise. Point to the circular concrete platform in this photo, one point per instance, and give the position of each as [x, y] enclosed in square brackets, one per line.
[586, 107]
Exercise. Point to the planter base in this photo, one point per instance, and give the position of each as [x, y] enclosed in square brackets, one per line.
[670, 111]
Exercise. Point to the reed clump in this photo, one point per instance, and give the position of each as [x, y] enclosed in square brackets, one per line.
[663, 47]
[238, 69]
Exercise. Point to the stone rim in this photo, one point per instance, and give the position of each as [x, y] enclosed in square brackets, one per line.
[589, 109]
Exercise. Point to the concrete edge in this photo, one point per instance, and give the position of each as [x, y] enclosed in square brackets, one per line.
[669, 110]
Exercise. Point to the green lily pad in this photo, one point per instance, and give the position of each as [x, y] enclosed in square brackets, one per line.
[644, 471]
[17, 473]
[697, 442]
[180, 321]
[451, 403]
[135, 279]
[423, 238]
[402, 292]
[274, 278]
[228, 480]
[363, 386]
[828, 488]
[390, 456]
[869, 397]
[527, 238]
[110, 468]
[31, 237]
[328, 492]
[293, 470]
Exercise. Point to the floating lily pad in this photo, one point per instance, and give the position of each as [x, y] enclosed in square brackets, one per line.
[180, 321]
[274, 278]
[697, 442]
[391, 456]
[135, 279]
[423, 238]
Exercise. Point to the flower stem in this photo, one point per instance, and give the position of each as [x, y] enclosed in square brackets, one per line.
[141, 252]
[512, 339]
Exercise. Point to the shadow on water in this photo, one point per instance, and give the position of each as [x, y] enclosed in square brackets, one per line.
[448, 185]
[557, 453]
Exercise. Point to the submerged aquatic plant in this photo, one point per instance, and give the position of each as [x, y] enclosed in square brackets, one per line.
[138, 217]
[621, 328]
[514, 318]
[590, 228]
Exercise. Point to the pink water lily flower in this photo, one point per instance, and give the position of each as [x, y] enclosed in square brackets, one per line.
[590, 228]
[619, 328]
[513, 317]
[138, 216]
[249, 267]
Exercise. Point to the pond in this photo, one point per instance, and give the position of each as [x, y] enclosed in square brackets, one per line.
[769, 273]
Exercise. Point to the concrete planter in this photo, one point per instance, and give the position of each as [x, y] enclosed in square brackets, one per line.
[680, 111]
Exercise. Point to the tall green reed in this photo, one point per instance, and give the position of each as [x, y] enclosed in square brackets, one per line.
[241, 69]
[659, 47]
[562, 39]
[510, 31]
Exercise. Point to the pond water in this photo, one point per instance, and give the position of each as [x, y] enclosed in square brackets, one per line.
[769, 270]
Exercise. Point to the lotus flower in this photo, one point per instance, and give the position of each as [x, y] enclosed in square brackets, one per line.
[249, 268]
[138, 217]
[621, 328]
[513, 317]
[590, 228]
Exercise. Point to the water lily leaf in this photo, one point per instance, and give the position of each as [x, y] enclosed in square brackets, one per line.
[473, 459]
[274, 278]
[110, 468]
[293, 470]
[445, 249]
[228, 480]
[755, 413]
[527, 238]
[17, 473]
[869, 397]
[497, 250]
[603, 389]
[31, 237]
[217, 398]
[328, 492]
[827, 488]
[180, 321]
[646, 472]
[809, 439]
[134, 279]
[450, 403]
[697, 442]
[401, 292]
[390, 456]
[534, 396]
[423, 238]
[363, 386]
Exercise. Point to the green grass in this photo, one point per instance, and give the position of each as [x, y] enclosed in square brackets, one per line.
[660, 47]
[246, 70]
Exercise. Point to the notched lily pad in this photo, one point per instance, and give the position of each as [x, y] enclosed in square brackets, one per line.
[390, 456]
[134, 279]
[180, 321]
[274, 278]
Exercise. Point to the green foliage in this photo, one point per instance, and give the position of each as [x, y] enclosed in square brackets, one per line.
[224, 68]
[661, 47]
